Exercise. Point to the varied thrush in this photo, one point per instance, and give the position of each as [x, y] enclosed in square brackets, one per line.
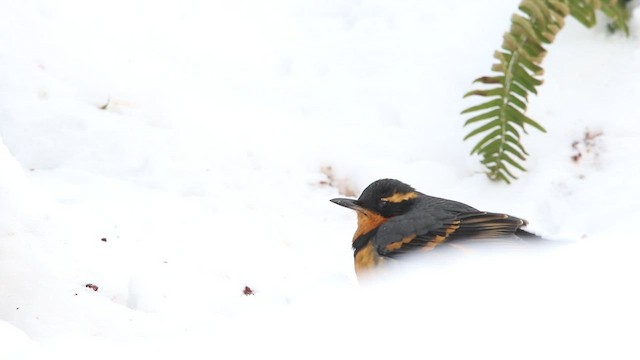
[394, 219]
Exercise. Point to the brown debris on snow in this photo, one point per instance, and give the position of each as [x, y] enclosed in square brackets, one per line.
[248, 291]
[342, 184]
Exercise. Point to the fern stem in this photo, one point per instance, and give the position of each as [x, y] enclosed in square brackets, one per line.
[508, 82]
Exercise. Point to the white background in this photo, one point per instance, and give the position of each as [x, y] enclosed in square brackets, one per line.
[207, 172]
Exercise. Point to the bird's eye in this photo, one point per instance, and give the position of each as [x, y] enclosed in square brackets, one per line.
[383, 203]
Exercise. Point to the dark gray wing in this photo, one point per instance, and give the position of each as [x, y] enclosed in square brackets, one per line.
[435, 221]
[404, 233]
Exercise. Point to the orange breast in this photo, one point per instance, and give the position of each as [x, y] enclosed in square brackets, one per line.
[367, 221]
[367, 257]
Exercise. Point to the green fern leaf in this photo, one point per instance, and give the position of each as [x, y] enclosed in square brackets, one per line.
[490, 147]
[529, 65]
[501, 176]
[489, 92]
[485, 106]
[512, 162]
[483, 128]
[490, 80]
[511, 149]
[510, 129]
[516, 142]
[517, 102]
[486, 116]
[480, 145]
[519, 91]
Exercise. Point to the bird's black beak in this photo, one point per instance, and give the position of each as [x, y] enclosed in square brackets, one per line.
[348, 203]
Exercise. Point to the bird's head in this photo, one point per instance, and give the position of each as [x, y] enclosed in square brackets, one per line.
[386, 197]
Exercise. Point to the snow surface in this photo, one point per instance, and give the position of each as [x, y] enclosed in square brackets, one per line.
[202, 141]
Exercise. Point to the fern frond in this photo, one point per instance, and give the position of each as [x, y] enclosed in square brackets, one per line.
[518, 65]
[501, 119]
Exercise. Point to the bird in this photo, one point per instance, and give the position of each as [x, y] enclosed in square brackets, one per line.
[394, 219]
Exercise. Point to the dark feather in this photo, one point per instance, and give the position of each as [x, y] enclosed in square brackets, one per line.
[434, 221]
[487, 225]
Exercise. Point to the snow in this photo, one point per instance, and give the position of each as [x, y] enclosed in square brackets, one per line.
[172, 154]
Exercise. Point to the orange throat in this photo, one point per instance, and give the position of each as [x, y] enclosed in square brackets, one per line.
[367, 257]
[367, 221]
